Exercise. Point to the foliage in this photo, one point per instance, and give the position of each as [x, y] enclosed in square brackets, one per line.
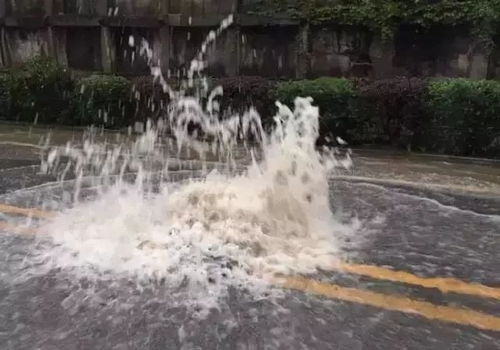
[241, 93]
[333, 96]
[149, 99]
[464, 117]
[40, 90]
[452, 116]
[385, 16]
[5, 97]
[104, 100]
[393, 109]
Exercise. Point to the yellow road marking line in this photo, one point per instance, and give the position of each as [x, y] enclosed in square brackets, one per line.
[393, 303]
[5, 226]
[383, 301]
[31, 212]
[445, 285]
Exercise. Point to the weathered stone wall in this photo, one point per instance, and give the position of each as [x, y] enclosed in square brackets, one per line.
[449, 52]
[186, 43]
[135, 7]
[267, 55]
[25, 7]
[93, 35]
[340, 51]
[202, 7]
[25, 43]
[81, 7]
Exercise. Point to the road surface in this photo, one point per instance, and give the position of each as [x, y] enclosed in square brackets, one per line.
[424, 272]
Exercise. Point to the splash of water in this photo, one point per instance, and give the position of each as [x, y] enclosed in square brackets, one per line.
[228, 227]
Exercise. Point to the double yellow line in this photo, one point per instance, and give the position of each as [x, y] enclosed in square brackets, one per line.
[393, 303]
[384, 301]
[444, 285]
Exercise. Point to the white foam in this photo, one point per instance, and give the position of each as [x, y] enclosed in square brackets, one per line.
[235, 228]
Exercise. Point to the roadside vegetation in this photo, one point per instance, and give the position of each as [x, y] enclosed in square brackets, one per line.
[449, 116]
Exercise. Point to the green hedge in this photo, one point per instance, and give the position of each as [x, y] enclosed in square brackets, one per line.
[103, 100]
[452, 116]
[241, 93]
[390, 111]
[5, 98]
[43, 91]
[463, 117]
[39, 91]
[335, 98]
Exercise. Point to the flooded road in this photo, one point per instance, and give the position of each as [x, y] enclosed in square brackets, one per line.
[419, 268]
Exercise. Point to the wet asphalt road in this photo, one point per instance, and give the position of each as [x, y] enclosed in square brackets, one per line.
[451, 230]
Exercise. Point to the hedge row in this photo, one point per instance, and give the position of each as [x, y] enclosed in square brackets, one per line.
[464, 118]
[451, 116]
[42, 91]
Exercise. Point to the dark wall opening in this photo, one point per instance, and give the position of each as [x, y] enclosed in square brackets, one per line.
[186, 46]
[129, 61]
[83, 48]
[268, 55]
[340, 51]
[494, 64]
[438, 51]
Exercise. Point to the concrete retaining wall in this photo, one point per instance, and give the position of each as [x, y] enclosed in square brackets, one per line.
[92, 35]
